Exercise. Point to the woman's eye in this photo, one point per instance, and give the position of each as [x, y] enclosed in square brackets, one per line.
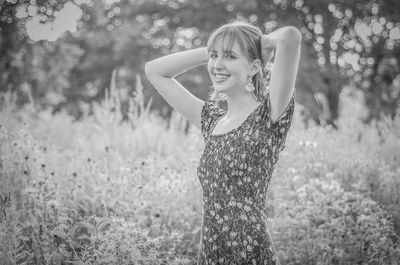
[227, 56]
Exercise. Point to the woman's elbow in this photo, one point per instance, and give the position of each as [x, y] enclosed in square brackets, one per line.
[292, 36]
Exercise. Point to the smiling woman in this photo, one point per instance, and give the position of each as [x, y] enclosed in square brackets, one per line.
[228, 67]
[242, 145]
[235, 44]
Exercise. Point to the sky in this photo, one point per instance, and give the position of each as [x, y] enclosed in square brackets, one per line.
[65, 20]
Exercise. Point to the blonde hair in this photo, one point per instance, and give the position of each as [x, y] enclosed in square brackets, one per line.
[248, 37]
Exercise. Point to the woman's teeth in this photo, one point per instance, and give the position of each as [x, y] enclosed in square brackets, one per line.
[219, 77]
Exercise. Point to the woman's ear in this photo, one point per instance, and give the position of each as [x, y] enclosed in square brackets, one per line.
[255, 66]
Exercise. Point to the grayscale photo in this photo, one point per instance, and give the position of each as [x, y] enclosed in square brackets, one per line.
[199, 132]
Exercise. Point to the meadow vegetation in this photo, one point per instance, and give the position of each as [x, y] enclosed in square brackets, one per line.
[101, 191]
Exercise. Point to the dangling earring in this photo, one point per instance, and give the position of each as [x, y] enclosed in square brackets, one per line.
[249, 86]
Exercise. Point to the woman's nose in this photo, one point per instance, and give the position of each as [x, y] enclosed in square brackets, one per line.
[218, 64]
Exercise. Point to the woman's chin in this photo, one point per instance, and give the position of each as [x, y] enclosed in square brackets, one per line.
[219, 88]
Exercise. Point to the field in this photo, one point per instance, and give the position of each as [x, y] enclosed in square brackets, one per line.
[102, 191]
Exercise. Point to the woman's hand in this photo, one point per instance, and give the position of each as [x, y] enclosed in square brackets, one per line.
[268, 46]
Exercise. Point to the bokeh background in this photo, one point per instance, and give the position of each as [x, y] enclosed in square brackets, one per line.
[96, 167]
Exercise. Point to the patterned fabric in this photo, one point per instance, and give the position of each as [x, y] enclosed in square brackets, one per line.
[235, 171]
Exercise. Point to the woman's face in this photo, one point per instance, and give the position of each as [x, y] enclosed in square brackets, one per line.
[228, 69]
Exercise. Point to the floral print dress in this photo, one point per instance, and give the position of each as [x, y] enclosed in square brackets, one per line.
[235, 170]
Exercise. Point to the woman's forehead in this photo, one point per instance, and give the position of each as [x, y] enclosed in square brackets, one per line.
[225, 45]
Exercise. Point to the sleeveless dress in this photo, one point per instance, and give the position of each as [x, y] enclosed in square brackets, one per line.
[235, 170]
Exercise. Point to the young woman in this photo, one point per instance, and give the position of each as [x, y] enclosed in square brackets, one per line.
[242, 144]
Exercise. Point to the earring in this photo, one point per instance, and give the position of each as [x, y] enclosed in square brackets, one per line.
[249, 86]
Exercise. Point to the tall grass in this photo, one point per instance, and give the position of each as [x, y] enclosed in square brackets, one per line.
[109, 190]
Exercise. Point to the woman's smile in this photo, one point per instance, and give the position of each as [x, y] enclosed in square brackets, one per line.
[219, 78]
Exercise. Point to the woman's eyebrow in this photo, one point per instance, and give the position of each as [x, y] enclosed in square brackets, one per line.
[229, 52]
[224, 51]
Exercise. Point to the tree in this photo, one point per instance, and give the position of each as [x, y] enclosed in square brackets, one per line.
[17, 51]
[344, 43]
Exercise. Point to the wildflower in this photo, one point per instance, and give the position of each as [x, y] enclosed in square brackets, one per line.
[26, 157]
[43, 166]
[74, 174]
[330, 174]
[297, 178]
[52, 203]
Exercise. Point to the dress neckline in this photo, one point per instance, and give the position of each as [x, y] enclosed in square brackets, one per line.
[234, 129]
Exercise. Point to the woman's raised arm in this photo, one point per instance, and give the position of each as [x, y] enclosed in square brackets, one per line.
[286, 42]
[176, 63]
[161, 73]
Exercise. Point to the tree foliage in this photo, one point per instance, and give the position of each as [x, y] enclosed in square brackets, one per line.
[345, 43]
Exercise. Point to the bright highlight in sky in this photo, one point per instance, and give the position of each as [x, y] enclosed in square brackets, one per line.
[66, 19]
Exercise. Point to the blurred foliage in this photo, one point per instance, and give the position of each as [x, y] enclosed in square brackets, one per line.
[125, 34]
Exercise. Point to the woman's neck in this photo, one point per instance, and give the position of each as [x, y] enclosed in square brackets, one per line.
[240, 106]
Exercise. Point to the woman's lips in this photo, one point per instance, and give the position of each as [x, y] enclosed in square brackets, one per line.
[220, 77]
